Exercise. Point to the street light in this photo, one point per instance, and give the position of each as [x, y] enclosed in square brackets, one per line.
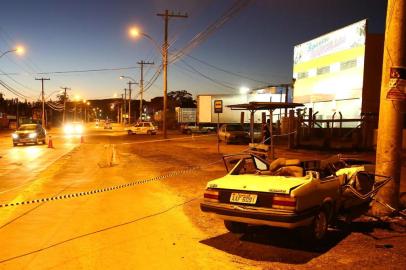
[130, 82]
[20, 50]
[135, 33]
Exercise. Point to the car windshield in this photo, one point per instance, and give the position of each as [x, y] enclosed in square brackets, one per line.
[28, 127]
[235, 128]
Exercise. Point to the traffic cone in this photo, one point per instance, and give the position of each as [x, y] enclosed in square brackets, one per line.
[50, 145]
[82, 140]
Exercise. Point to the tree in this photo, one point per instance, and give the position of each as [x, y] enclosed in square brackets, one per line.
[180, 98]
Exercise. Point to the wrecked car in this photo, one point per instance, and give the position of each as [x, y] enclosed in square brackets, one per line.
[289, 193]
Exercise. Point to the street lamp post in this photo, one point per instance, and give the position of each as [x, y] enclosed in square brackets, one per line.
[19, 50]
[130, 82]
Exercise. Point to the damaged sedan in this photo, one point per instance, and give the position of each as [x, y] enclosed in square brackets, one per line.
[289, 193]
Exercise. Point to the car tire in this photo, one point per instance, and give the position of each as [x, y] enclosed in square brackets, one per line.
[149, 132]
[36, 141]
[235, 227]
[44, 141]
[188, 132]
[129, 132]
[14, 144]
[317, 231]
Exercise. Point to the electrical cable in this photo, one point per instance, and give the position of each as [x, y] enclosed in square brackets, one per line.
[203, 35]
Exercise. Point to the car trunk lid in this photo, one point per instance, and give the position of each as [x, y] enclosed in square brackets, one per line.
[259, 183]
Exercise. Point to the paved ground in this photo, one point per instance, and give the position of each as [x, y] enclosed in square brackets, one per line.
[155, 224]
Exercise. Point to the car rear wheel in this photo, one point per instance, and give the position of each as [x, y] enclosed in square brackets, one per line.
[14, 144]
[317, 231]
[149, 132]
[129, 132]
[235, 227]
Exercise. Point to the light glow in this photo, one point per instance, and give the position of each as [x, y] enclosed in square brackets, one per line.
[20, 50]
[134, 32]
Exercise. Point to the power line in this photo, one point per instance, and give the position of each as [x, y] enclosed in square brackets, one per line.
[12, 90]
[207, 77]
[87, 70]
[203, 35]
[226, 71]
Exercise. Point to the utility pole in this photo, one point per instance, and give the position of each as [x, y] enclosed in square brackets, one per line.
[43, 99]
[125, 102]
[389, 143]
[129, 100]
[166, 16]
[142, 63]
[17, 115]
[121, 108]
[64, 104]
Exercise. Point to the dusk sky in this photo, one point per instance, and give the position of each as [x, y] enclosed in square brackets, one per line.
[255, 46]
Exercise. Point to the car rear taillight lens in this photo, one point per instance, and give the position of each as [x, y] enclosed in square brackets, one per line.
[284, 202]
[212, 195]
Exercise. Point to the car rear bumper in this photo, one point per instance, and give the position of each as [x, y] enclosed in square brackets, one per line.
[260, 215]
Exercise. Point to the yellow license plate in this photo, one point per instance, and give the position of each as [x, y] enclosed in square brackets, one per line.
[243, 198]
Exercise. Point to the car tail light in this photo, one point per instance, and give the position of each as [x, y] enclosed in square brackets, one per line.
[284, 202]
[211, 194]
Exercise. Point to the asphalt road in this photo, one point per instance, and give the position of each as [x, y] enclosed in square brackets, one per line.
[117, 201]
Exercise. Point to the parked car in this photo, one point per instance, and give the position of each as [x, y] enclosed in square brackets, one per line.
[233, 133]
[29, 133]
[73, 128]
[291, 194]
[189, 129]
[142, 128]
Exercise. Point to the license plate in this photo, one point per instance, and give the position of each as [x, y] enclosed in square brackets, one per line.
[243, 198]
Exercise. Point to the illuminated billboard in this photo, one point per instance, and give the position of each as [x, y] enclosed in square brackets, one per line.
[331, 67]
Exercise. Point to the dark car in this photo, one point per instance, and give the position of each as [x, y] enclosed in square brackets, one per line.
[233, 133]
[29, 133]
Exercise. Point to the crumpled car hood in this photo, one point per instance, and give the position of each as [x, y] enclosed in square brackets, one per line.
[261, 183]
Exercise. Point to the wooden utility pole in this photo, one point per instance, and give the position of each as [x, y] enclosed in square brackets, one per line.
[142, 63]
[43, 99]
[166, 16]
[389, 142]
[64, 104]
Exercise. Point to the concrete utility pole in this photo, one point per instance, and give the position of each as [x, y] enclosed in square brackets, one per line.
[64, 104]
[43, 99]
[389, 144]
[142, 63]
[129, 100]
[121, 108]
[166, 16]
[125, 102]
